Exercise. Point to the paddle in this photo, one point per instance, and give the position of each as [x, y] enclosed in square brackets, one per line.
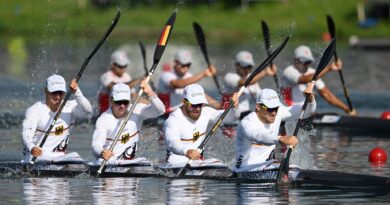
[282, 176]
[263, 65]
[160, 47]
[202, 44]
[267, 43]
[332, 31]
[86, 61]
[143, 52]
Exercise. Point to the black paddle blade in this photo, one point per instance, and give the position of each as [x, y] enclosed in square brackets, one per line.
[328, 53]
[284, 167]
[143, 53]
[164, 38]
[331, 26]
[267, 40]
[201, 40]
[267, 61]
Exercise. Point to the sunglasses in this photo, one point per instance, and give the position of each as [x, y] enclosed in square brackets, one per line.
[122, 102]
[305, 62]
[57, 93]
[119, 66]
[185, 65]
[193, 106]
[275, 109]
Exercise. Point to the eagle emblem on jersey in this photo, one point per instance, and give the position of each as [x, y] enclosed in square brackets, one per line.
[125, 138]
[59, 130]
[195, 136]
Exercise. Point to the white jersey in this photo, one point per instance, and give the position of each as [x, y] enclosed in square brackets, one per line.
[247, 99]
[38, 119]
[293, 93]
[171, 96]
[107, 126]
[109, 77]
[181, 133]
[256, 140]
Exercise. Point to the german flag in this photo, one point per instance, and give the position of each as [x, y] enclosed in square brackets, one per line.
[164, 35]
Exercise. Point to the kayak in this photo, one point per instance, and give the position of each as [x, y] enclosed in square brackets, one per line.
[357, 125]
[297, 176]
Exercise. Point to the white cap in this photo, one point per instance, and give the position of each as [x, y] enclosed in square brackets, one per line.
[120, 58]
[55, 83]
[303, 53]
[120, 91]
[244, 58]
[194, 93]
[269, 98]
[183, 56]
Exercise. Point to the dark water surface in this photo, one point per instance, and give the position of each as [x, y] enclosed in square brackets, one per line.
[366, 74]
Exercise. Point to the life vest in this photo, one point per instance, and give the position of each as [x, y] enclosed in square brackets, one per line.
[104, 101]
[225, 100]
[287, 95]
[165, 98]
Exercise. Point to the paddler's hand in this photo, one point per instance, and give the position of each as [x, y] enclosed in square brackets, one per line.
[193, 154]
[106, 154]
[73, 86]
[272, 70]
[309, 91]
[338, 65]
[293, 141]
[36, 151]
[210, 71]
[352, 113]
[147, 89]
[235, 100]
[288, 140]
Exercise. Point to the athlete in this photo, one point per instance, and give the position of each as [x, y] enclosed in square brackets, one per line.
[40, 115]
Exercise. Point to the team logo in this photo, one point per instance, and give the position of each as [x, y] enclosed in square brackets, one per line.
[59, 130]
[195, 136]
[125, 138]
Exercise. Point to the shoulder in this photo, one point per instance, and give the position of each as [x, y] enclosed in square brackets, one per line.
[168, 76]
[37, 106]
[289, 69]
[175, 118]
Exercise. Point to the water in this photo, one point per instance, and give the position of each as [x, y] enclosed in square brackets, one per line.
[366, 75]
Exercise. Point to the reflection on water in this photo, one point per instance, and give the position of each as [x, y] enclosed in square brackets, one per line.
[115, 191]
[46, 190]
[184, 191]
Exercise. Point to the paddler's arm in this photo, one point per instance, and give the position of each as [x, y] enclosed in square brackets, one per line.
[156, 107]
[172, 137]
[270, 70]
[83, 105]
[29, 126]
[181, 83]
[99, 139]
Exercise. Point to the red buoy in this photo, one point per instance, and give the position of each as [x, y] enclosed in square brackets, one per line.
[377, 156]
[385, 115]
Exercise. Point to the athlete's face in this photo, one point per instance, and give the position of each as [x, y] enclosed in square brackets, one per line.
[181, 69]
[302, 66]
[54, 99]
[267, 115]
[192, 111]
[119, 108]
[118, 70]
[243, 71]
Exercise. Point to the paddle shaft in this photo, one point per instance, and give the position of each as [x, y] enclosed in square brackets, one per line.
[202, 44]
[332, 31]
[143, 52]
[161, 44]
[83, 67]
[266, 62]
